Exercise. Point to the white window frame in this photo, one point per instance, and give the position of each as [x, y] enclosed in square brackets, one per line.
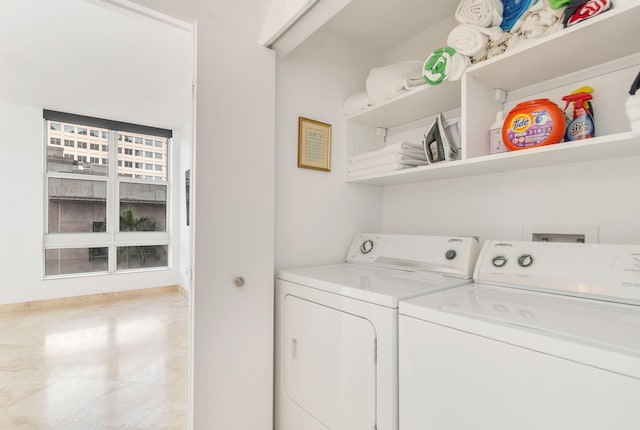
[112, 238]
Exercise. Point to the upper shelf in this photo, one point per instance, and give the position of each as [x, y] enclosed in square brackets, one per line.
[613, 34]
[612, 146]
[413, 105]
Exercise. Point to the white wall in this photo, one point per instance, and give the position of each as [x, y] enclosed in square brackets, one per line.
[22, 225]
[88, 58]
[317, 213]
[599, 193]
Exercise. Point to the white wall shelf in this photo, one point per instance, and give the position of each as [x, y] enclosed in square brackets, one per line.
[413, 105]
[607, 37]
[579, 55]
[613, 146]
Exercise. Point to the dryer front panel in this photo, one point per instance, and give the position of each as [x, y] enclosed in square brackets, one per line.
[329, 364]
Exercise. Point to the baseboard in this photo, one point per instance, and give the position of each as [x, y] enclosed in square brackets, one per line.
[183, 291]
[91, 298]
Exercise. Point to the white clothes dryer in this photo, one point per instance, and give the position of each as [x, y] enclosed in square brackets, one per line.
[547, 337]
[336, 328]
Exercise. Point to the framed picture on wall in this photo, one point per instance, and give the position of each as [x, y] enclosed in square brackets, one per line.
[314, 144]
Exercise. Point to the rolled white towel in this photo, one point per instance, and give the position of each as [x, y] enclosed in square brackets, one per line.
[356, 102]
[384, 83]
[483, 13]
[467, 40]
[411, 83]
[444, 64]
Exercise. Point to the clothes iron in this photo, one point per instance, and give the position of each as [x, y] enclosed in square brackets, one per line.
[439, 143]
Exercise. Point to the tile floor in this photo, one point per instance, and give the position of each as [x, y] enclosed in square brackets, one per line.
[119, 364]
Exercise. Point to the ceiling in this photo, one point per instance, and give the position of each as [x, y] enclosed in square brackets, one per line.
[374, 23]
[91, 58]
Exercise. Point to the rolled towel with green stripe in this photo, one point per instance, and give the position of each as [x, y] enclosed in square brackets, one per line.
[444, 64]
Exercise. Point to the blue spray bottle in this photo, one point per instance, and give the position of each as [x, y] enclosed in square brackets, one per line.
[581, 127]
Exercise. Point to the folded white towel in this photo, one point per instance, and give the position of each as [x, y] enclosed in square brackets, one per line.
[394, 157]
[404, 147]
[384, 83]
[483, 13]
[378, 170]
[356, 102]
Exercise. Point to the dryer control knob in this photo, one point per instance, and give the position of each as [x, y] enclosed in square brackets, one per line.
[525, 260]
[450, 254]
[499, 260]
[366, 246]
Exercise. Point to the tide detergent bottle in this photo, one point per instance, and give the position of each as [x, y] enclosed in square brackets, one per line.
[581, 126]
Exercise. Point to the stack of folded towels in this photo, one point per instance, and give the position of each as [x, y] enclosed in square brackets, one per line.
[397, 156]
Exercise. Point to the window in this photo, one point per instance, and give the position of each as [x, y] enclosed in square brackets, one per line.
[148, 154]
[158, 156]
[158, 144]
[69, 129]
[138, 153]
[148, 142]
[90, 230]
[138, 140]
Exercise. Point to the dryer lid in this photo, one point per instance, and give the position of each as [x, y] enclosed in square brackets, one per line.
[371, 284]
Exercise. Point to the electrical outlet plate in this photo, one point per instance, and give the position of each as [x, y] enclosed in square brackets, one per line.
[560, 233]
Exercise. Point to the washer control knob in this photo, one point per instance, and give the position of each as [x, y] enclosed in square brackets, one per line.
[525, 260]
[450, 254]
[499, 260]
[366, 246]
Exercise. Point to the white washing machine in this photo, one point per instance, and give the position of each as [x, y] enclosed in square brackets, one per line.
[336, 328]
[548, 337]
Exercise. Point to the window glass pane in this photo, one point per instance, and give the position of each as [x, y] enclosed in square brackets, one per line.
[82, 131]
[143, 207]
[74, 156]
[140, 257]
[75, 205]
[132, 166]
[75, 260]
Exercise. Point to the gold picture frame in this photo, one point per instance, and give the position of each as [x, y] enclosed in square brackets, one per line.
[314, 144]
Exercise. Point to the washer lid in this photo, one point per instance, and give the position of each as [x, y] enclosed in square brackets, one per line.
[377, 285]
[602, 334]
